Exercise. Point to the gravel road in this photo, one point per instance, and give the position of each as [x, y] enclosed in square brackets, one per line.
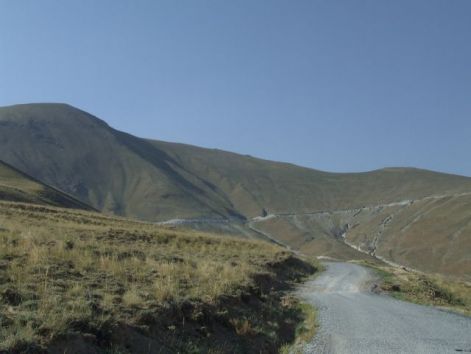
[354, 320]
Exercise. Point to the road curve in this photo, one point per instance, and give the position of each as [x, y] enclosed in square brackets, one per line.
[354, 320]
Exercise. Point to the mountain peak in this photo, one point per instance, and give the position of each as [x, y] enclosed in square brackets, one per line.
[47, 112]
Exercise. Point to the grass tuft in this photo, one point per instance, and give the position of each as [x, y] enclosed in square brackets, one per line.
[424, 289]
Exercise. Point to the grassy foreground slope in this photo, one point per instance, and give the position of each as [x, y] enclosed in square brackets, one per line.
[19, 187]
[81, 282]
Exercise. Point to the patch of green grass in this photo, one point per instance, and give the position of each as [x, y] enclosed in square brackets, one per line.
[305, 330]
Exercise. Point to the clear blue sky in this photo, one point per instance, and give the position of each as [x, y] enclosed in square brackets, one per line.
[333, 85]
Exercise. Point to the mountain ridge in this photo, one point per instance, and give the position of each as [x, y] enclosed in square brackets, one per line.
[123, 174]
[155, 181]
[188, 145]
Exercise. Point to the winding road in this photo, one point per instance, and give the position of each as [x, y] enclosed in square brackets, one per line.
[354, 320]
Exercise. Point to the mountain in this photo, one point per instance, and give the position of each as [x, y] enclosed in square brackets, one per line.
[258, 186]
[307, 209]
[152, 180]
[431, 234]
[16, 186]
[110, 170]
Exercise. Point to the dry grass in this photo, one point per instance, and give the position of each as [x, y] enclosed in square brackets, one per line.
[426, 289]
[63, 269]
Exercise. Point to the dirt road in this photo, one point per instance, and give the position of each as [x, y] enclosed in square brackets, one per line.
[354, 320]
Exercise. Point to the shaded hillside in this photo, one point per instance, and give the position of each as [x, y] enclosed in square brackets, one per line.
[119, 173]
[18, 187]
[112, 171]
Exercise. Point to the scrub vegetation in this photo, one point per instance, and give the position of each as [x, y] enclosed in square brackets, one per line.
[424, 289]
[76, 279]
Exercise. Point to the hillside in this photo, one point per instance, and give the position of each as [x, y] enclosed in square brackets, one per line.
[254, 185]
[19, 187]
[151, 180]
[112, 171]
[342, 215]
[81, 282]
[431, 234]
